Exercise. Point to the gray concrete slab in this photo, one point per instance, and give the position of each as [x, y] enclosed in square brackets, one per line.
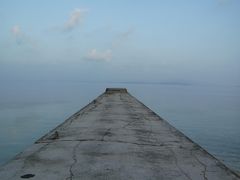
[115, 137]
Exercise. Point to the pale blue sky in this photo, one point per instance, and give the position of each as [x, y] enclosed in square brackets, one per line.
[146, 40]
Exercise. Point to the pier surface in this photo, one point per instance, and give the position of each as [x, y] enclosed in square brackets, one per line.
[115, 137]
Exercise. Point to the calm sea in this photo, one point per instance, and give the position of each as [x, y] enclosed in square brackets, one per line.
[208, 114]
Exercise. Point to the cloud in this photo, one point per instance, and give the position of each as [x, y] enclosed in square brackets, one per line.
[94, 55]
[75, 19]
[122, 38]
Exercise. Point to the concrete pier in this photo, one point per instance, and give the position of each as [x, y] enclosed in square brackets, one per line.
[115, 137]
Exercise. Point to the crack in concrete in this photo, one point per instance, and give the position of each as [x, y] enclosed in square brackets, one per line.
[74, 161]
[150, 134]
[131, 122]
[175, 159]
[115, 141]
[106, 133]
[200, 162]
[128, 108]
[176, 162]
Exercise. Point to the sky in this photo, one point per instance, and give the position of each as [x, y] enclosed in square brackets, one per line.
[185, 41]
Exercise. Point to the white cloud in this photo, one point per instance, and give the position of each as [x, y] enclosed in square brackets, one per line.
[75, 19]
[95, 55]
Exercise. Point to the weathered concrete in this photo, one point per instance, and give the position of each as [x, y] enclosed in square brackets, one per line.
[115, 137]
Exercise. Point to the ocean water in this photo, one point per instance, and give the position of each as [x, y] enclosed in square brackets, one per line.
[208, 114]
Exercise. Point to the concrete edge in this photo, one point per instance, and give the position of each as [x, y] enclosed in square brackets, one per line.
[220, 163]
[72, 117]
[116, 90]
